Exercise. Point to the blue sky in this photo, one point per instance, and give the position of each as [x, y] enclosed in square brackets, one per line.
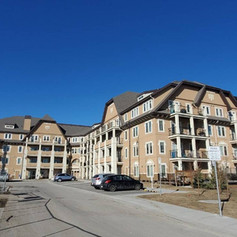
[68, 58]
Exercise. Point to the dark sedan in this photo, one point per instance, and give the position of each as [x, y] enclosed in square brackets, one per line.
[120, 182]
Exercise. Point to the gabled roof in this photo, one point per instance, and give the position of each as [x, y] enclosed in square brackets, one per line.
[122, 102]
[47, 118]
[18, 121]
[74, 130]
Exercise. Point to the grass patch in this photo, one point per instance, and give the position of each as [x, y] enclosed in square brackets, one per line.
[193, 196]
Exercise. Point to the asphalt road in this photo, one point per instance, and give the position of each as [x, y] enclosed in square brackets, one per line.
[80, 210]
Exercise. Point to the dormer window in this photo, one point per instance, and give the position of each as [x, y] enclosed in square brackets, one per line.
[9, 126]
[147, 106]
[140, 97]
[135, 112]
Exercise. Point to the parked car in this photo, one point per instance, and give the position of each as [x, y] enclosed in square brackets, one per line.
[97, 179]
[64, 177]
[120, 182]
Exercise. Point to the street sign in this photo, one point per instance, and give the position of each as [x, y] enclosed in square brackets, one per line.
[214, 153]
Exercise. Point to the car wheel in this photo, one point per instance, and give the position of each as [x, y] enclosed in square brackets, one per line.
[59, 180]
[112, 188]
[137, 186]
[73, 179]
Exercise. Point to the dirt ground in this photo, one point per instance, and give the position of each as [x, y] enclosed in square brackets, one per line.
[193, 196]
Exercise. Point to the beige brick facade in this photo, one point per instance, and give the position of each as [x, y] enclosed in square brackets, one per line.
[175, 124]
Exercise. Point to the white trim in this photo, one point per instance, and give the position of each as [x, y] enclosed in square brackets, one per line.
[162, 153]
[158, 124]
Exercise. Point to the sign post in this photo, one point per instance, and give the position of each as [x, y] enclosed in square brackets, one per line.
[214, 155]
[159, 161]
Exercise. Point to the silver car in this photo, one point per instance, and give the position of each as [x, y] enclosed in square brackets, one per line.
[97, 179]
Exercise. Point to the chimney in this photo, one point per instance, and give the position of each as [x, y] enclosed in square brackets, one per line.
[27, 123]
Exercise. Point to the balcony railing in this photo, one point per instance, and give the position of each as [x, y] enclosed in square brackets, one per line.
[189, 154]
[234, 156]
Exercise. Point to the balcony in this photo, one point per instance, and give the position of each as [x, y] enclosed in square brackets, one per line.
[188, 154]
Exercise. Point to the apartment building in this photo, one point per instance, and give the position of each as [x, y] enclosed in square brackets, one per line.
[34, 148]
[174, 125]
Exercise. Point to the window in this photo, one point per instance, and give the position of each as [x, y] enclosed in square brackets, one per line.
[150, 169]
[149, 148]
[46, 138]
[74, 139]
[21, 136]
[135, 131]
[223, 149]
[221, 131]
[6, 148]
[34, 138]
[136, 170]
[20, 149]
[135, 112]
[135, 149]
[163, 171]
[7, 136]
[147, 106]
[219, 112]
[148, 127]
[125, 117]
[206, 110]
[161, 127]
[126, 153]
[9, 126]
[58, 140]
[162, 147]
[188, 108]
[210, 130]
[18, 160]
[126, 135]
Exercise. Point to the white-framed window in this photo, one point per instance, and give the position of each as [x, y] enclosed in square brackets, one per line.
[147, 106]
[150, 169]
[9, 126]
[206, 110]
[135, 131]
[161, 125]
[162, 147]
[221, 131]
[209, 127]
[5, 160]
[126, 135]
[126, 117]
[20, 149]
[148, 126]
[219, 112]
[135, 112]
[46, 138]
[34, 138]
[135, 149]
[21, 136]
[126, 153]
[189, 109]
[8, 136]
[136, 169]
[58, 140]
[223, 150]
[149, 148]
[18, 160]
[6, 148]
[74, 139]
[163, 172]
